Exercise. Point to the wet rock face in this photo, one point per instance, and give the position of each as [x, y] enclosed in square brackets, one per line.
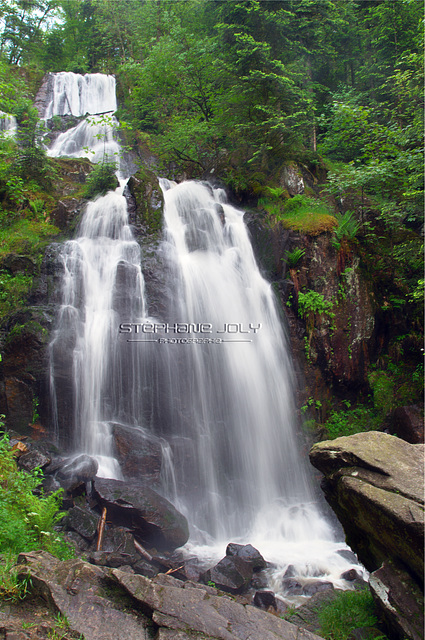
[152, 518]
[138, 452]
[334, 348]
[374, 482]
[338, 340]
[399, 601]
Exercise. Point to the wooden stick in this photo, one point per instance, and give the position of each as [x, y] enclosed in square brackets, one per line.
[101, 530]
[142, 551]
[173, 570]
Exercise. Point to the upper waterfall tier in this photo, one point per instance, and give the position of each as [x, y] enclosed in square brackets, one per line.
[78, 95]
[7, 125]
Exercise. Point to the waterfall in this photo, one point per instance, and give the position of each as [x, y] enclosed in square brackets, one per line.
[79, 95]
[91, 96]
[102, 279]
[7, 125]
[212, 381]
[238, 469]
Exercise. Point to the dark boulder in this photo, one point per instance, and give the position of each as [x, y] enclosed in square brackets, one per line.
[151, 517]
[231, 574]
[248, 554]
[292, 587]
[408, 423]
[311, 588]
[119, 539]
[265, 600]
[83, 521]
[76, 470]
[33, 459]
[351, 575]
[113, 559]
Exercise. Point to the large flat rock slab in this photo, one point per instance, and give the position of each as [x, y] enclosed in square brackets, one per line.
[82, 592]
[375, 484]
[184, 610]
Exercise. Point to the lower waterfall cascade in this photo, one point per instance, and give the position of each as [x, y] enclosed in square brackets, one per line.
[213, 381]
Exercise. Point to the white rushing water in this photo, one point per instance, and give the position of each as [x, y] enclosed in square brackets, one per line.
[80, 95]
[91, 96]
[238, 469]
[101, 278]
[214, 384]
[92, 138]
[8, 125]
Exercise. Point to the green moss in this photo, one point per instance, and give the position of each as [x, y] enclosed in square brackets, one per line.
[149, 199]
[26, 236]
[350, 610]
[300, 213]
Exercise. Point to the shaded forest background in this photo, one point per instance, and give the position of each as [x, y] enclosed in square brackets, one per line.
[235, 91]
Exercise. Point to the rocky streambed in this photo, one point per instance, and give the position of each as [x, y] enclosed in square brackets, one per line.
[132, 580]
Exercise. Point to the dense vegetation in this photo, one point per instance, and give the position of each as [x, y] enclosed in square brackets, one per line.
[239, 90]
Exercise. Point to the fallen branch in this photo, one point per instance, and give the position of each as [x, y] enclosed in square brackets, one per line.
[101, 530]
[167, 573]
[142, 551]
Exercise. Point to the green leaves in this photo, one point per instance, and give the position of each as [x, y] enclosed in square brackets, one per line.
[27, 519]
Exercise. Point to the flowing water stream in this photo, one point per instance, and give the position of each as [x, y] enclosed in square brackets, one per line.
[217, 368]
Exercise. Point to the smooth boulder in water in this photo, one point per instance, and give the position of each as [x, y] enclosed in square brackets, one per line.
[151, 517]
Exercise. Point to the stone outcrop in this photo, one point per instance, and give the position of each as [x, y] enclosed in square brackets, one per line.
[112, 604]
[79, 591]
[148, 199]
[375, 484]
[188, 610]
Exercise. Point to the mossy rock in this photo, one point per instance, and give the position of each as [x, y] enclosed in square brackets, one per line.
[149, 200]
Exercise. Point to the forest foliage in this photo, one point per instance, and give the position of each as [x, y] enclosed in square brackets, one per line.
[237, 89]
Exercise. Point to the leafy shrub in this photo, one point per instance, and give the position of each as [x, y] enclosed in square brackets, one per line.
[351, 421]
[27, 519]
[101, 180]
[382, 385]
[348, 227]
[313, 302]
[13, 290]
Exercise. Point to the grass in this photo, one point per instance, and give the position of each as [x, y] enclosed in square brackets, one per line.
[349, 611]
[12, 588]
